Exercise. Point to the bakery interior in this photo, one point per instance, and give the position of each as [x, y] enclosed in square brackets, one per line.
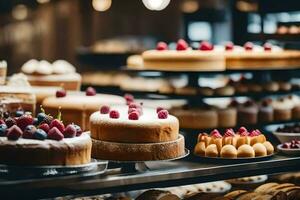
[150, 99]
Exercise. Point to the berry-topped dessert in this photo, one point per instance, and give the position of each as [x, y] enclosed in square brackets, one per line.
[184, 57]
[240, 144]
[78, 106]
[255, 56]
[294, 144]
[59, 73]
[135, 133]
[44, 140]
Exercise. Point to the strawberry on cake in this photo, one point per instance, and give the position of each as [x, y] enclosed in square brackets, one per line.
[43, 140]
[134, 133]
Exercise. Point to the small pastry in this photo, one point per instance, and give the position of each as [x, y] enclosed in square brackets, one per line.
[206, 91]
[186, 90]
[266, 111]
[216, 138]
[285, 86]
[241, 88]
[225, 91]
[282, 30]
[256, 137]
[248, 113]
[204, 137]
[269, 147]
[271, 86]
[245, 151]
[234, 194]
[211, 151]
[259, 149]
[228, 151]
[265, 187]
[200, 149]
[253, 87]
[282, 109]
[229, 137]
[227, 117]
[243, 137]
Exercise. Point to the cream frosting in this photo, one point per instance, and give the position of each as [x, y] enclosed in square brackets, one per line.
[18, 80]
[3, 64]
[56, 77]
[63, 67]
[285, 104]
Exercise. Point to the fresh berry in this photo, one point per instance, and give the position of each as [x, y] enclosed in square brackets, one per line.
[242, 129]
[55, 134]
[134, 105]
[61, 93]
[19, 113]
[45, 127]
[70, 131]
[48, 119]
[40, 134]
[24, 121]
[249, 103]
[104, 110]
[295, 146]
[229, 46]
[163, 114]
[133, 115]
[2, 121]
[129, 97]
[78, 130]
[215, 133]
[229, 133]
[114, 114]
[206, 46]
[3, 129]
[248, 46]
[35, 121]
[267, 47]
[161, 46]
[29, 132]
[130, 110]
[181, 45]
[14, 133]
[10, 122]
[90, 91]
[6, 114]
[41, 116]
[234, 103]
[286, 145]
[58, 124]
[159, 109]
[254, 133]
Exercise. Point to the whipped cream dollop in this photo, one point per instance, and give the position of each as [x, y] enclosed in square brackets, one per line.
[43, 67]
[18, 80]
[3, 64]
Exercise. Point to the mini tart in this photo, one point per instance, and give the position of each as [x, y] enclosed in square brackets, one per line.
[147, 129]
[257, 139]
[138, 152]
[228, 151]
[258, 59]
[245, 151]
[187, 60]
[69, 151]
[211, 151]
[77, 107]
[241, 140]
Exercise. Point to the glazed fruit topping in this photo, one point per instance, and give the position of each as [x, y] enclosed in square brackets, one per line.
[104, 109]
[14, 133]
[229, 133]
[29, 132]
[129, 98]
[10, 122]
[61, 93]
[55, 134]
[58, 124]
[3, 129]
[90, 91]
[24, 121]
[267, 47]
[215, 133]
[40, 134]
[114, 114]
[159, 109]
[294, 144]
[254, 133]
[206, 46]
[248, 46]
[133, 115]
[182, 45]
[45, 127]
[70, 131]
[161, 46]
[243, 131]
[78, 130]
[163, 114]
[229, 46]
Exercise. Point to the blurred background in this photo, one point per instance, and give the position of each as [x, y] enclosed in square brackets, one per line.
[68, 29]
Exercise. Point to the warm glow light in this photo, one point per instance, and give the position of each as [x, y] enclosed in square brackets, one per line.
[43, 1]
[20, 12]
[156, 4]
[190, 6]
[101, 5]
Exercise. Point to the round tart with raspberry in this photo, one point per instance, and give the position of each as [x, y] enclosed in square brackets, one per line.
[134, 133]
[184, 58]
[43, 140]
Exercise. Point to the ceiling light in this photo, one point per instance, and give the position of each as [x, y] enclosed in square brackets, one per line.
[156, 4]
[20, 12]
[190, 6]
[101, 5]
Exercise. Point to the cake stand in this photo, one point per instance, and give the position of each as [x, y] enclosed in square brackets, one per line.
[141, 166]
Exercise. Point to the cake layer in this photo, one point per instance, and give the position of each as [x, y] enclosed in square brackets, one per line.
[69, 151]
[138, 152]
[77, 107]
[189, 60]
[148, 128]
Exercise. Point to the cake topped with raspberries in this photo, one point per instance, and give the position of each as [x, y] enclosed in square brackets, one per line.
[184, 58]
[135, 133]
[44, 140]
[240, 144]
